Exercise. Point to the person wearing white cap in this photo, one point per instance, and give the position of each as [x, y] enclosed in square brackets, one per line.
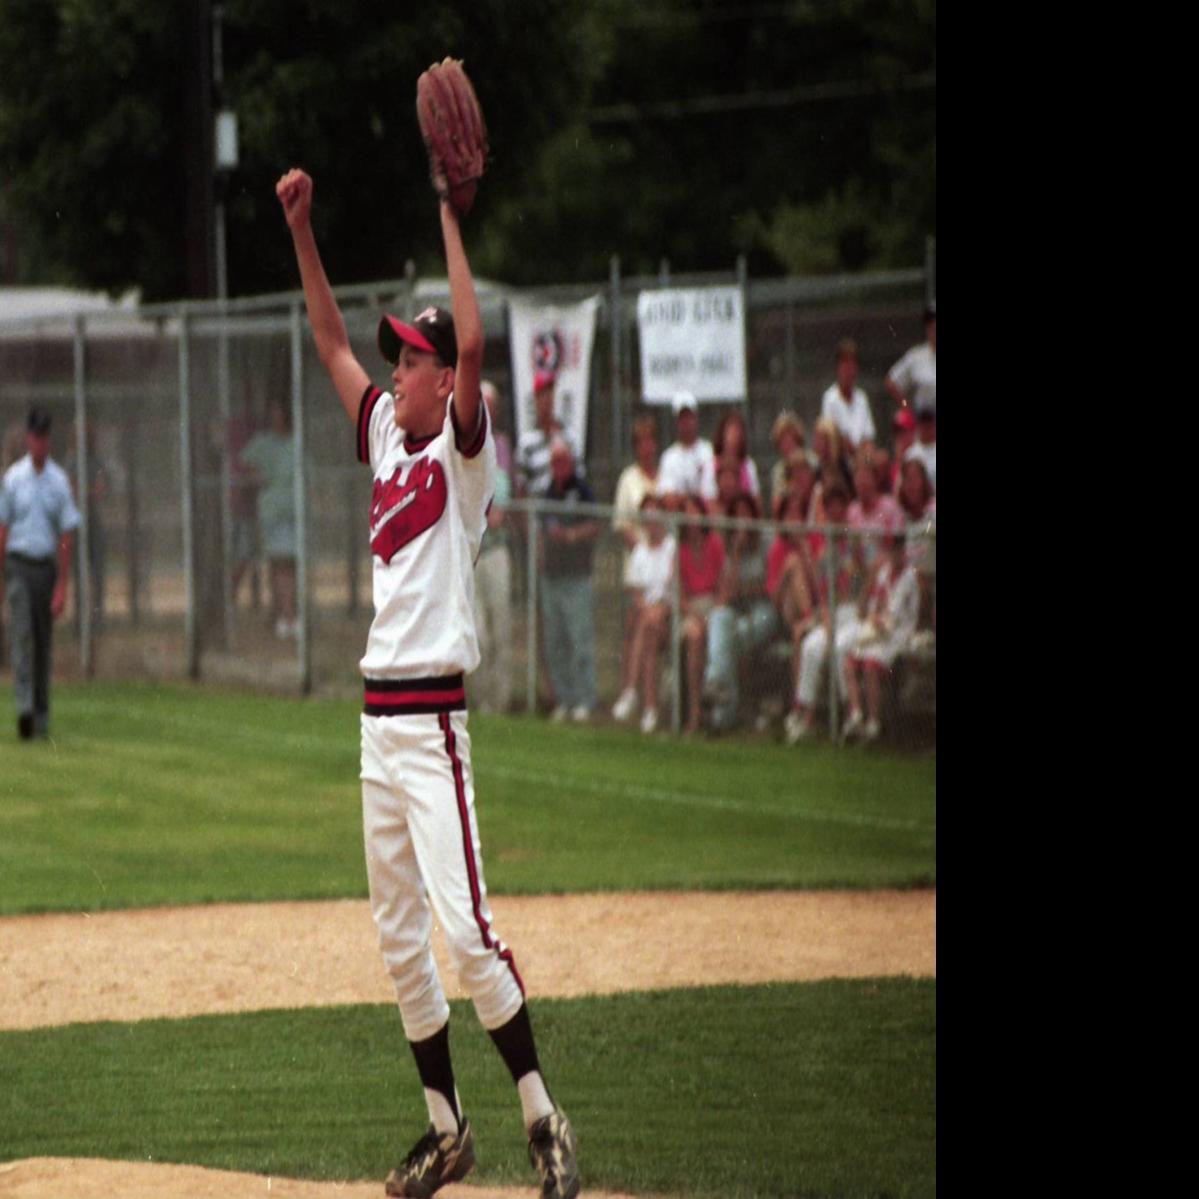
[681, 471]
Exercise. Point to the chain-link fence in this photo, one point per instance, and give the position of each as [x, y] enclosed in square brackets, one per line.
[224, 512]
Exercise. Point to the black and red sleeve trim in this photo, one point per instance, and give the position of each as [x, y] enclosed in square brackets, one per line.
[370, 397]
[480, 436]
[413, 697]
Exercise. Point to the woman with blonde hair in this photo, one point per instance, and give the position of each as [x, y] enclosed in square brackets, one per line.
[788, 437]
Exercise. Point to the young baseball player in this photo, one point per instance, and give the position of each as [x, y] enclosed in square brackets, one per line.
[431, 450]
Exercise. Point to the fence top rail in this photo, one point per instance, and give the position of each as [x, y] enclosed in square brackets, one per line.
[415, 291]
[545, 507]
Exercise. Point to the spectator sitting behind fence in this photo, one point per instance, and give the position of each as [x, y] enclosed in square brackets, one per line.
[788, 438]
[533, 448]
[925, 445]
[846, 404]
[701, 568]
[837, 617]
[791, 582]
[745, 617]
[903, 437]
[731, 445]
[873, 512]
[566, 604]
[830, 463]
[888, 620]
[648, 581]
[271, 455]
[802, 483]
[913, 379]
[681, 471]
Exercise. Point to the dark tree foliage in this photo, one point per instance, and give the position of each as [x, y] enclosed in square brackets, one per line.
[802, 134]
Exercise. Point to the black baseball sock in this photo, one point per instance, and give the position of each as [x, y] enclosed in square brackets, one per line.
[437, 1075]
[514, 1040]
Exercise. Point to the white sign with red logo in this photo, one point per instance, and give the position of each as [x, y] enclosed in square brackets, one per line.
[557, 338]
[692, 339]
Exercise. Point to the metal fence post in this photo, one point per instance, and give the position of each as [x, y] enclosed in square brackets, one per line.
[301, 496]
[533, 526]
[223, 406]
[192, 650]
[83, 489]
[615, 359]
[676, 618]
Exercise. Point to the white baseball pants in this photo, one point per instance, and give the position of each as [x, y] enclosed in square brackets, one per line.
[422, 852]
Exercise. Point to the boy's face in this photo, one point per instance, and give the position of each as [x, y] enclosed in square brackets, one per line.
[421, 386]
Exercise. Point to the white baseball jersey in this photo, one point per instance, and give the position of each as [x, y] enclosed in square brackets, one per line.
[428, 516]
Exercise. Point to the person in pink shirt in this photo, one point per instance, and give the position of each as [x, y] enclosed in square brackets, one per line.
[701, 567]
[873, 512]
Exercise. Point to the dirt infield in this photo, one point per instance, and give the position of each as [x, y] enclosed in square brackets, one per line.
[177, 962]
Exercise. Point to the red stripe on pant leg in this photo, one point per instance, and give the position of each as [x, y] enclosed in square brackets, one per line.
[468, 850]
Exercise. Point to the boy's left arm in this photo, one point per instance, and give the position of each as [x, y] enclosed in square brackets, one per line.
[468, 328]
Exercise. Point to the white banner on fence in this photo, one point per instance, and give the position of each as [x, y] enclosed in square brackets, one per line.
[556, 338]
[692, 339]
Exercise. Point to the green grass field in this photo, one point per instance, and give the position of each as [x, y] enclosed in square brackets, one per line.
[155, 794]
[159, 794]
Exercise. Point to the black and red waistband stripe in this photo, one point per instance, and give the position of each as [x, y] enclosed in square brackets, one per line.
[414, 697]
[370, 397]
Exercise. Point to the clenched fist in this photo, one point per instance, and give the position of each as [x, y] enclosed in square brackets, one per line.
[295, 194]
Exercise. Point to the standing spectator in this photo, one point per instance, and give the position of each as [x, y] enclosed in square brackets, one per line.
[681, 471]
[271, 454]
[745, 617]
[38, 519]
[913, 379]
[846, 404]
[492, 681]
[731, 444]
[701, 568]
[566, 603]
[903, 435]
[533, 449]
[919, 505]
[925, 445]
[837, 617]
[889, 614]
[636, 481]
[873, 512]
[788, 437]
[648, 579]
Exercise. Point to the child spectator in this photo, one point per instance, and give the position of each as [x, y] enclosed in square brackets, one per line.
[648, 579]
[889, 614]
[701, 567]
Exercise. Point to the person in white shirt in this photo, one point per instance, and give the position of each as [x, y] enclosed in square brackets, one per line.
[649, 578]
[681, 471]
[925, 446]
[846, 404]
[913, 379]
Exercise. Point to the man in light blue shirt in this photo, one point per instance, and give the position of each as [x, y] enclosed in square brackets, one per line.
[38, 519]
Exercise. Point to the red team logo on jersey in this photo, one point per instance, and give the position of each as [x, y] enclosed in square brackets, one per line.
[402, 509]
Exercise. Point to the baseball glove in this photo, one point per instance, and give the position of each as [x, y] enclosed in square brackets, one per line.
[451, 122]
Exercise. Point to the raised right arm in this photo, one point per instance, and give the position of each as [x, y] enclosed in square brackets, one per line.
[332, 342]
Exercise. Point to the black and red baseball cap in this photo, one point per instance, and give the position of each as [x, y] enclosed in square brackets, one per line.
[432, 331]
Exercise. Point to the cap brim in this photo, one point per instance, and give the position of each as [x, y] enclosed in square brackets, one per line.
[393, 334]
